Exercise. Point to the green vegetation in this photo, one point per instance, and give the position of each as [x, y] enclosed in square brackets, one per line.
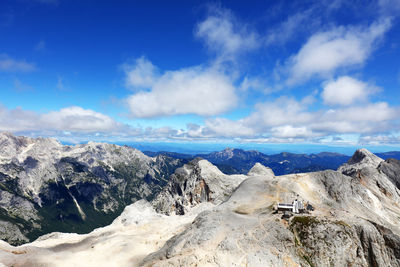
[308, 260]
[305, 221]
[342, 223]
[5, 188]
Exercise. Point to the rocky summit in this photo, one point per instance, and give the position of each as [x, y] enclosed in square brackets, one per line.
[46, 187]
[202, 217]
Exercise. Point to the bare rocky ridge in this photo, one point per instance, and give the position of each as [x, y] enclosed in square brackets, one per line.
[195, 182]
[45, 186]
[233, 222]
[229, 220]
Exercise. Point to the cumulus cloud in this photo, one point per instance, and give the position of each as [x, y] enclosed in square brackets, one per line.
[256, 84]
[8, 64]
[345, 91]
[202, 91]
[282, 118]
[74, 119]
[374, 112]
[79, 119]
[292, 26]
[228, 128]
[380, 139]
[224, 35]
[282, 111]
[290, 120]
[288, 131]
[325, 52]
[141, 74]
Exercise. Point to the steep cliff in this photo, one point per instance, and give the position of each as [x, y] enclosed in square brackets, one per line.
[45, 186]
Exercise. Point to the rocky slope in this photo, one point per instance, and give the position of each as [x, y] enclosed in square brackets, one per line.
[45, 186]
[194, 183]
[355, 222]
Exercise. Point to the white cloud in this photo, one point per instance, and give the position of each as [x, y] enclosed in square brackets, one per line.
[142, 74]
[8, 64]
[280, 112]
[282, 118]
[325, 52]
[79, 119]
[345, 91]
[227, 128]
[71, 119]
[256, 84]
[225, 35]
[288, 131]
[292, 27]
[197, 90]
[380, 139]
[374, 112]
[290, 120]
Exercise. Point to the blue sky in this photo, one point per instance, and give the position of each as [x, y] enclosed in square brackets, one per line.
[323, 73]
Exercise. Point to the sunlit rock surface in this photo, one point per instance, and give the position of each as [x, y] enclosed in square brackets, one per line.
[45, 186]
[355, 222]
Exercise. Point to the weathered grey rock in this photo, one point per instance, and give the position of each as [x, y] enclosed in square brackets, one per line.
[355, 222]
[361, 158]
[391, 168]
[11, 233]
[196, 182]
[260, 170]
[51, 187]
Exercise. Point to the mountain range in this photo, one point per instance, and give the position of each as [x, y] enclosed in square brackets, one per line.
[239, 161]
[46, 187]
[65, 202]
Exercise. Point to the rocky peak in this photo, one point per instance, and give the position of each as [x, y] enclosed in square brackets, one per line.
[260, 170]
[11, 144]
[227, 153]
[361, 159]
[21, 147]
[363, 156]
[197, 182]
[391, 168]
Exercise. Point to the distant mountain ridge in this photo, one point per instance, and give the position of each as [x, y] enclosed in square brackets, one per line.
[239, 161]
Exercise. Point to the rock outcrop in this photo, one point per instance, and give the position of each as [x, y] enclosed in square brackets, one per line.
[46, 186]
[354, 224]
[196, 182]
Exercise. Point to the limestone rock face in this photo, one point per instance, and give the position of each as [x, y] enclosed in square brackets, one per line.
[260, 170]
[361, 158]
[45, 186]
[196, 182]
[391, 168]
[355, 222]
